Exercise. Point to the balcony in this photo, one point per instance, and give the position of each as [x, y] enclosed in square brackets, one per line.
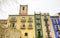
[30, 20]
[59, 34]
[46, 25]
[45, 18]
[39, 34]
[48, 31]
[23, 19]
[38, 17]
[30, 26]
[13, 19]
[55, 23]
[57, 28]
[13, 27]
[38, 23]
[49, 36]
[22, 26]
[38, 27]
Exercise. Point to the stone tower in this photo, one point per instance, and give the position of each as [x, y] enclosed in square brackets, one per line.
[23, 10]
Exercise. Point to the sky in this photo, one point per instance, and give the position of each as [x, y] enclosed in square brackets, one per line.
[11, 7]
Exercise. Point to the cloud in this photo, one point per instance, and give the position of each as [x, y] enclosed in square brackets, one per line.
[12, 7]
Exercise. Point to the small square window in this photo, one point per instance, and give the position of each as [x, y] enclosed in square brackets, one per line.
[26, 34]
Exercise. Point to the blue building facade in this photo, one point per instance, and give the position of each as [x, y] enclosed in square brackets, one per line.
[56, 25]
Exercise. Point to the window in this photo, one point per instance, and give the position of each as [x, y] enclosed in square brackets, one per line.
[38, 16]
[59, 28]
[23, 18]
[13, 18]
[39, 34]
[55, 21]
[45, 18]
[23, 25]
[23, 8]
[26, 34]
[30, 18]
[38, 27]
[30, 25]
[12, 24]
[59, 33]
[38, 21]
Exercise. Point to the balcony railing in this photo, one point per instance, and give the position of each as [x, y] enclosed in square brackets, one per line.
[23, 20]
[57, 28]
[39, 34]
[38, 27]
[13, 19]
[13, 27]
[45, 18]
[38, 23]
[55, 23]
[59, 34]
[30, 20]
[37, 17]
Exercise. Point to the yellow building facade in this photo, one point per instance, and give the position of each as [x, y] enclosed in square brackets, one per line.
[22, 22]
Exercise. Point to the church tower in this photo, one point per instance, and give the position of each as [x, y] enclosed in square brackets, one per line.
[23, 10]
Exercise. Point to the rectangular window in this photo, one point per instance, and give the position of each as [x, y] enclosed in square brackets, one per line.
[55, 22]
[30, 25]
[23, 8]
[59, 34]
[30, 18]
[13, 18]
[45, 18]
[12, 24]
[23, 25]
[23, 18]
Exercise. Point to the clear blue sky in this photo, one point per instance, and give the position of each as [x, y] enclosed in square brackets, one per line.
[8, 7]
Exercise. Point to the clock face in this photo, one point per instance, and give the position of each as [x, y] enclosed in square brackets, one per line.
[12, 33]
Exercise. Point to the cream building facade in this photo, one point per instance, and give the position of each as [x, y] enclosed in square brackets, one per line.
[47, 26]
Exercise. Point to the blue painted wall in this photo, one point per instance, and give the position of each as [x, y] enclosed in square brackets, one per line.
[52, 19]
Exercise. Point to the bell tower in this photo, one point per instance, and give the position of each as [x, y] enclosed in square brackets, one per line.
[23, 10]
